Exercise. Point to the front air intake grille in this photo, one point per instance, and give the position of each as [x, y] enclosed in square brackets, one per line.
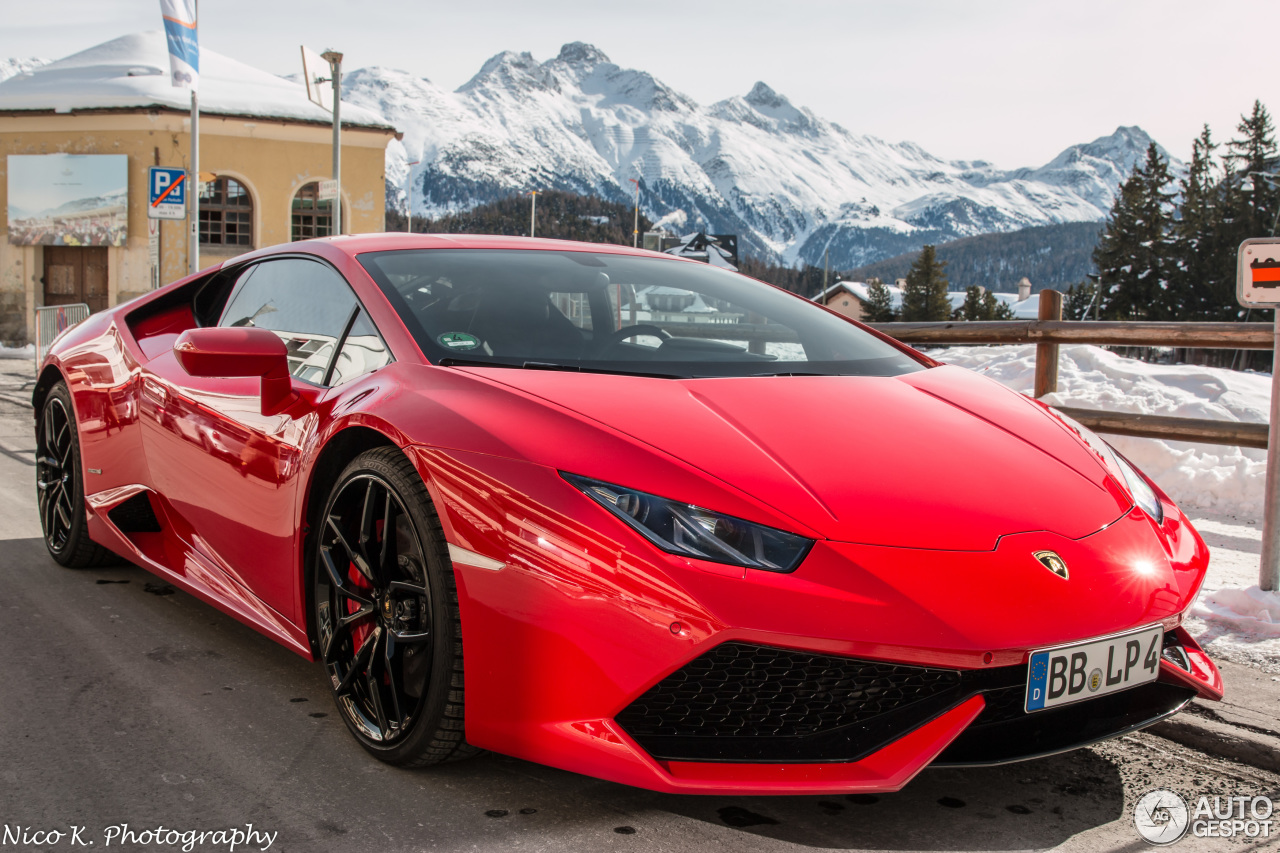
[742, 702]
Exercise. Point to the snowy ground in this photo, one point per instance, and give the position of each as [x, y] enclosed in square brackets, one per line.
[28, 352]
[1221, 488]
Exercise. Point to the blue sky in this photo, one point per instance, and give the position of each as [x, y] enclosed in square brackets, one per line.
[1011, 81]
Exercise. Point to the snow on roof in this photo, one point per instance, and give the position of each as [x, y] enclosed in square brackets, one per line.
[133, 71]
[1027, 309]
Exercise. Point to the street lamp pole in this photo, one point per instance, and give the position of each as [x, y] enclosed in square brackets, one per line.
[412, 163]
[335, 67]
[635, 228]
[533, 212]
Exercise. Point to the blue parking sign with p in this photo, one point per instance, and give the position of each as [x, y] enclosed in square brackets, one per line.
[167, 193]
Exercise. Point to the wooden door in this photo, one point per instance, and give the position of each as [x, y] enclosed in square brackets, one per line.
[76, 274]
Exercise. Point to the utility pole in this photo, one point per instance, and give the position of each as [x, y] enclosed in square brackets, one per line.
[635, 228]
[533, 212]
[411, 165]
[826, 268]
[335, 75]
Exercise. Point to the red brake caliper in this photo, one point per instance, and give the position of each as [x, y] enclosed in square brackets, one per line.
[360, 631]
[359, 583]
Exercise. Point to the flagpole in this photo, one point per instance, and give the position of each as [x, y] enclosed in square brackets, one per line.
[193, 187]
[182, 33]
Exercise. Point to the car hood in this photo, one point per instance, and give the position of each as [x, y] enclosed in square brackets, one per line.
[939, 459]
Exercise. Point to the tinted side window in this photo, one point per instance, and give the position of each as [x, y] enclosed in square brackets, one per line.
[305, 302]
[362, 352]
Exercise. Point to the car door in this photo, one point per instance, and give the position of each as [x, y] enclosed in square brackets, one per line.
[230, 473]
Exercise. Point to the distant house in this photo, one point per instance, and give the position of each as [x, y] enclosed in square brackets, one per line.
[850, 298]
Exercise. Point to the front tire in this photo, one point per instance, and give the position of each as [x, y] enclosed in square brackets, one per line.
[385, 609]
[60, 486]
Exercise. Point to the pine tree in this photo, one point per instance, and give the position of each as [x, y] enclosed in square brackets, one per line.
[879, 306]
[982, 304]
[995, 309]
[924, 297]
[1134, 255]
[1252, 211]
[1200, 269]
[972, 307]
[1079, 301]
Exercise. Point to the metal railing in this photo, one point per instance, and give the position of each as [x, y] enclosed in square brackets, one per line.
[53, 321]
[1050, 330]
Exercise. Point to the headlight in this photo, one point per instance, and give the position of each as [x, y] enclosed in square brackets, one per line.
[691, 531]
[1141, 493]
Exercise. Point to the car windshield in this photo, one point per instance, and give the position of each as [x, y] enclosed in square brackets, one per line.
[611, 313]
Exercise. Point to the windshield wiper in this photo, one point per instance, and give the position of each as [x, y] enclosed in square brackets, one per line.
[449, 361]
[790, 373]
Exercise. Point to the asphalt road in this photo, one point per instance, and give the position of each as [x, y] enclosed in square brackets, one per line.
[124, 701]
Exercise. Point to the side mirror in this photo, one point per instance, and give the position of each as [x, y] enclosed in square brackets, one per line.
[239, 351]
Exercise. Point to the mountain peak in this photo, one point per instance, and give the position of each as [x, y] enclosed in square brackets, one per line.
[761, 95]
[507, 68]
[581, 53]
[508, 59]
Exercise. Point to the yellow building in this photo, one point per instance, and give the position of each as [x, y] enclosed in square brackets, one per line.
[74, 225]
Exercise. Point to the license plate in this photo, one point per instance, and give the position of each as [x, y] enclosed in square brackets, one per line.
[1066, 674]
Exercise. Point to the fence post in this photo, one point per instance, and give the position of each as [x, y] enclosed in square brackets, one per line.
[1047, 354]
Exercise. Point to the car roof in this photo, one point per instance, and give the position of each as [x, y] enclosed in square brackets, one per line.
[356, 244]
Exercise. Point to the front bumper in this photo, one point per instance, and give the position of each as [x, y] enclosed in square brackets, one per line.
[584, 619]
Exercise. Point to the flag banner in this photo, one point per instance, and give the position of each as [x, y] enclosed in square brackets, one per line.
[184, 43]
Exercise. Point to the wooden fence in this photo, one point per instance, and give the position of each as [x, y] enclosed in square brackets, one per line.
[1050, 330]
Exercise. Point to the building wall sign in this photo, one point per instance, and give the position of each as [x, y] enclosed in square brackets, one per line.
[68, 199]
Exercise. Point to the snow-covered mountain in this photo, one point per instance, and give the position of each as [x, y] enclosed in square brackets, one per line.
[790, 183]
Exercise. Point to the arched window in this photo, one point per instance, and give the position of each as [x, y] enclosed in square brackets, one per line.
[311, 216]
[226, 215]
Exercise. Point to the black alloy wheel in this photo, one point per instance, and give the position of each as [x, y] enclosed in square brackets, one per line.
[386, 621]
[55, 474]
[59, 487]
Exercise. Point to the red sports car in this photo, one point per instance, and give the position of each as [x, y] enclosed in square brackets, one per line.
[620, 513]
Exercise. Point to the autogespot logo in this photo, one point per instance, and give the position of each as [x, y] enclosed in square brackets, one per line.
[1162, 817]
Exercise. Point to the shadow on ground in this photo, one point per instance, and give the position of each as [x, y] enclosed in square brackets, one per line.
[126, 700]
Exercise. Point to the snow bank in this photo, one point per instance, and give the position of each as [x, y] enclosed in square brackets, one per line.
[1250, 611]
[1197, 476]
